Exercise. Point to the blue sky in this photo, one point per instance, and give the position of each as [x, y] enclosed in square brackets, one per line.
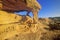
[50, 8]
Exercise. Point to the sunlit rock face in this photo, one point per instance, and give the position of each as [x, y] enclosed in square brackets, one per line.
[8, 18]
[21, 5]
[17, 27]
[12, 25]
[33, 4]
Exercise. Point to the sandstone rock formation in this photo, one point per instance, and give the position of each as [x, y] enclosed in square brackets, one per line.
[13, 24]
[17, 27]
[21, 5]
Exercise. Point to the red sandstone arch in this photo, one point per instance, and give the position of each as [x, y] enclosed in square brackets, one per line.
[19, 5]
[15, 5]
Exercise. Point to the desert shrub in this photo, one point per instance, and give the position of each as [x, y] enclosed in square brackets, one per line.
[54, 26]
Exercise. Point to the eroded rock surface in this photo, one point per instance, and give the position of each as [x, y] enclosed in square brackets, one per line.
[17, 27]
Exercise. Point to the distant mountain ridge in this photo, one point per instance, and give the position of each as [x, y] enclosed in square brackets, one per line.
[55, 18]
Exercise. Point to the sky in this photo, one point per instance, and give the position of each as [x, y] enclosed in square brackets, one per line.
[50, 8]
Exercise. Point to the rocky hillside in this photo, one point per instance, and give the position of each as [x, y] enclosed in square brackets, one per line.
[17, 27]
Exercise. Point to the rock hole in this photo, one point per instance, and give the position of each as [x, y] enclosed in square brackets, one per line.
[6, 39]
[16, 35]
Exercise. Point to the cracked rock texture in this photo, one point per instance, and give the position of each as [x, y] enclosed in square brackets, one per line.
[17, 27]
